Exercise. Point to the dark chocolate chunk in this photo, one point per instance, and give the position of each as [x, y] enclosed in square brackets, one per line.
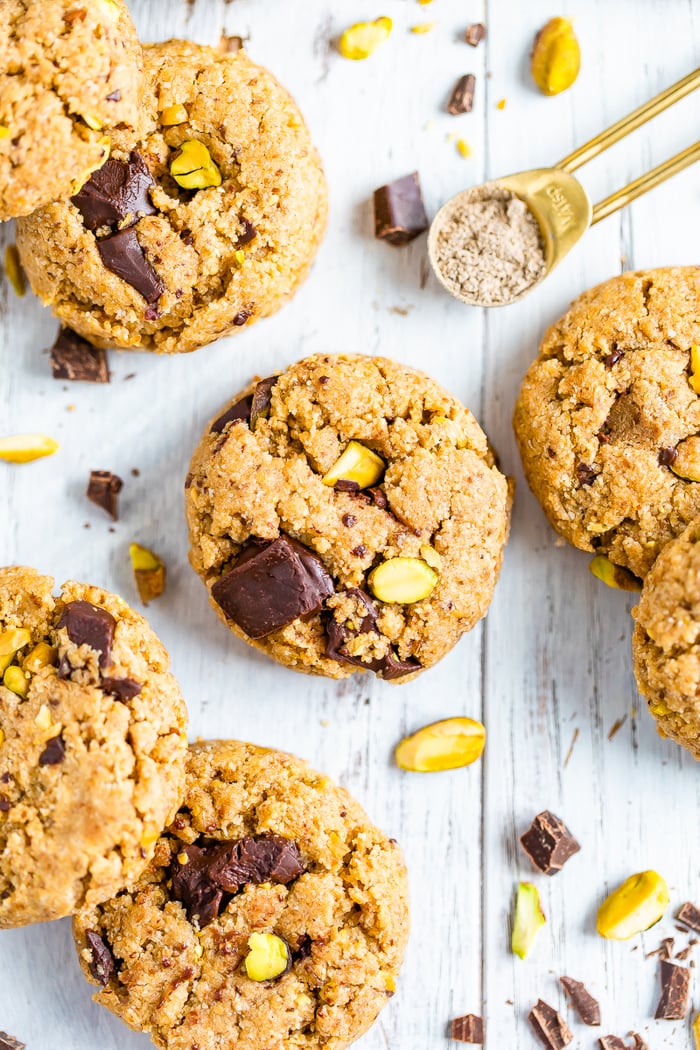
[123, 689]
[103, 489]
[388, 666]
[262, 399]
[117, 191]
[248, 234]
[675, 986]
[5, 804]
[583, 1002]
[462, 98]
[475, 33]
[241, 317]
[378, 497]
[394, 667]
[73, 358]
[667, 457]
[123, 255]
[360, 551]
[549, 1026]
[273, 585]
[399, 212]
[8, 1042]
[613, 357]
[239, 411]
[349, 520]
[102, 965]
[468, 1029]
[586, 475]
[224, 867]
[54, 752]
[549, 843]
[689, 915]
[88, 624]
[347, 486]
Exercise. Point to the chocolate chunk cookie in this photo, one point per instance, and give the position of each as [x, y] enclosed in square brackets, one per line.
[70, 77]
[204, 223]
[92, 746]
[272, 909]
[608, 418]
[347, 515]
[666, 640]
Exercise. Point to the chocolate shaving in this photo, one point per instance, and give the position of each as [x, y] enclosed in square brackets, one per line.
[54, 752]
[675, 987]
[549, 1026]
[399, 212]
[583, 1002]
[123, 689]
[549, 843]
[123, 255]
[664, 951]
[73, 358]
[467, 1029]
[88, 624]
[667, 457]
[462, 98]
[271, 585]
[475, 33]
[586, 475]
[116, 192]
[102, 965]
[8, 1042]
[689, 915]
[103, 489]
[262, 399]
[240, 412]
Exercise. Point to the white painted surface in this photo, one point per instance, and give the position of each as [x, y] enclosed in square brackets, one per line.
[553, 656]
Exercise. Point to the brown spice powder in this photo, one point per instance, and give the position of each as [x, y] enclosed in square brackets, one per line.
[490, 249]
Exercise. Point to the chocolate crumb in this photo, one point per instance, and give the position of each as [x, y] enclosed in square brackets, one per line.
[667, 457]
[103, 490]
[114, 96]
[54, 752]
[585, 474]
[583, 1002]
[475, 33]
[73, 358]
[467, 1029]
[349, 520]
[690, 916]
[5, 804]
[549, 843]
[360, 551]
[462, 98]
[664, 951]
[241, 317]
[613, 357]
[549, 1026]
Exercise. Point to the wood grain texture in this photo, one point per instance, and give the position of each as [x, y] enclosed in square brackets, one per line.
[552, 658]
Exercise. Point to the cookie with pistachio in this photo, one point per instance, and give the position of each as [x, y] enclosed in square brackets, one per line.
[608, 417]
[92, 746]
[347, 515]
[273, 909]
[70, 78]
[205, 222]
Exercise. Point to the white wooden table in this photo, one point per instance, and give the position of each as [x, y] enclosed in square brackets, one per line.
[551, 662]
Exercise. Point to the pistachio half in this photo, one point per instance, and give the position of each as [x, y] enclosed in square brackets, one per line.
[402, 580]
[356, 463]
[173, 115]
[16, 680]
[556, 57]
[14, 271]
[614, 575]
[634, 906]
[193, 167]
[448, 744]
[23, 448]
[528, 920]
[363, 38]
[269, 957]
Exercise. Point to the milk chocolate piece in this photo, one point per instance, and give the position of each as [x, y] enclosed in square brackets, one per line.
[675, 987]
[271, 585]
[468, 1029]
[117, 191]
[399, 212]
[613, 1042]
[549, 1026]
[123, 255]
[238, 412]
[103, 489]
[88, 624]
[689, 915]
[583, 1002]
[462, 98]
[549, 843]
[73, 358]
[475, 33]
[102, 965]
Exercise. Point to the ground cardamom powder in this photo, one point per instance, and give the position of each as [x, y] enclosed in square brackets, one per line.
[489, 249]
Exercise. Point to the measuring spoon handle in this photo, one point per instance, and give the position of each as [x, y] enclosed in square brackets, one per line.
[645, 182]
[630, 123]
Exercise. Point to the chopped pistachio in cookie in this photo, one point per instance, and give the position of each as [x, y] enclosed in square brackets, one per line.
[205, 222]
[608, 417]
[273, 913]
[92, 746]
[666, 640]
[70, 77]
[348, 515]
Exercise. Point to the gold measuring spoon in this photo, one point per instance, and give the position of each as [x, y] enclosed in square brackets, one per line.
[558, 200]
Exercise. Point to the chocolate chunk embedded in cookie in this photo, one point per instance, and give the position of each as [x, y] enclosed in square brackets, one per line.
[272, 908]
[608, 418]
[355, 521]
[92, 746]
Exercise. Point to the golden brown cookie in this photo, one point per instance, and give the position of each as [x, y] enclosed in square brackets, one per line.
[608, 417]
[272, 909]
[211, 223]
[92, 746]
[348, 515]
[666, 640]
[70, 77]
